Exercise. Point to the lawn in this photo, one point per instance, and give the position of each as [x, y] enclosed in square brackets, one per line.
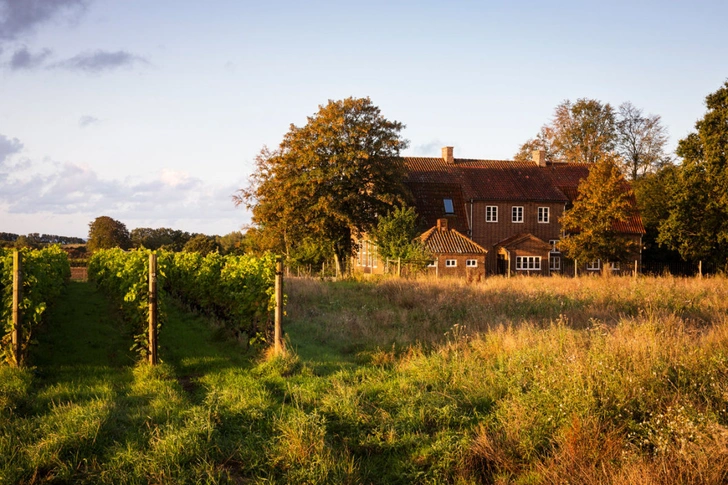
[521, 380]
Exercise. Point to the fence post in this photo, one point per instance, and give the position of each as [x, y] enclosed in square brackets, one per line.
[399, 267]
[277, 340]
[576, 268]
[700, 269]
[153, 358]
[17, 335]
[636, 269]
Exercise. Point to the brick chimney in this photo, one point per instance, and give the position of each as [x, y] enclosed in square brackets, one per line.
[447, 155]
[442, 225]
[539, 157]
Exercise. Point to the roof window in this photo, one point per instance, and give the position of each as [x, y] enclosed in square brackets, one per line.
[449, 208]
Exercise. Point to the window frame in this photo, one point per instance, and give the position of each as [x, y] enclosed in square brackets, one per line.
[471, 263]
[491, 213]
[451, 263]
[452, 206]
[532, 263]
[557, 259]
[517, 214]
[543, 215]
[554, 246]
[594, 265]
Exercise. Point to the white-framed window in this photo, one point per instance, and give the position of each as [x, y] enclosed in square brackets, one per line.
[528, 263]
[614, 266]
[594, 265]
[555, 263]
[433, 264]
[543, 215]
[554, 245]
[471, 263]
[367, 254]
[451, 263]
[517, 213]
[449, 207]
[491, 213]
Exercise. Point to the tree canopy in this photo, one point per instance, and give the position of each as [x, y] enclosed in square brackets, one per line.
[395, 236]
[697, 224]
[582, 132]
[332, 176]
[604, 198]
[105, 232]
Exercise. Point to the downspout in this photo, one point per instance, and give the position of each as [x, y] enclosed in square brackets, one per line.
[470, 223]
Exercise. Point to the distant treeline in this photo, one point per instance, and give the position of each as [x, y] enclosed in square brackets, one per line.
[36, 238]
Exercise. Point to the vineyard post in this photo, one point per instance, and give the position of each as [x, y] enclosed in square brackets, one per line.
[153, 360]
[279, 306]
[17, 299]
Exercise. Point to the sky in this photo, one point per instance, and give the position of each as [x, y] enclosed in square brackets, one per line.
[152, 112]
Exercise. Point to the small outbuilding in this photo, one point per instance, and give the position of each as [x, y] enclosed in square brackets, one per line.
[454, 253]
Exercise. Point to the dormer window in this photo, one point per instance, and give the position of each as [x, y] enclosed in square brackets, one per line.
[449, 208]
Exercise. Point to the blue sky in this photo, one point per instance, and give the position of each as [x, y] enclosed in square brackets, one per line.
[152, 112]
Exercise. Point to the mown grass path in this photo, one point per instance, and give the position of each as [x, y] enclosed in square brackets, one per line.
[93, 412]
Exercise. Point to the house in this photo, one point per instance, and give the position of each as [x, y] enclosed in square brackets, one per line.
[509, 208]
[455, 254]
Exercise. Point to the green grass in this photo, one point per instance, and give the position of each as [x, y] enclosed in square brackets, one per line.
[528, 380]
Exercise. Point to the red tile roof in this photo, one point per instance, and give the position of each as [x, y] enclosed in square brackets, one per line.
[450, 241]
[517, 239]
[429, 199]
[432, 179]
[486, 179]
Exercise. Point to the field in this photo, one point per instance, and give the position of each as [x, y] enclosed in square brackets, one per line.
[521, 380]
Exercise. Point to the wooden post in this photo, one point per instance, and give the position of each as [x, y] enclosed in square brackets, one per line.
[17, 335]
[700, 269]
[576, 268]
[153, 358]
[277, 338]
[399, 267]
[636, 269]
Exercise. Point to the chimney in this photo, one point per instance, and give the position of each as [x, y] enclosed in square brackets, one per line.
[447, 155]
[539, 157]
[442, 225]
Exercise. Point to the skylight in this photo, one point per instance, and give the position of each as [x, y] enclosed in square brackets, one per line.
[449, 209]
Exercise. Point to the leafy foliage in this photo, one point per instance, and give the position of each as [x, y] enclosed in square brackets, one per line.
[327, 178]
[395, 236]
[239, 290]
[579, 133]
[44, 273]
[105, 233]
[202, 244]
[604, 198]
[123, 275]
[641, 141]
[697, 225]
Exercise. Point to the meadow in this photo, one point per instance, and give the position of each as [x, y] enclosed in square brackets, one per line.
[592, 380]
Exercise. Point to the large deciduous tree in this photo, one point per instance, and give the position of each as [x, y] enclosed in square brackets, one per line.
[580, 132]
[330, 177]
[641, 141]
[105, 232]
[604, 198]
[697, 224]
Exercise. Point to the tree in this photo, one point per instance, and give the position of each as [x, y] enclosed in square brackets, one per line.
[580, 132]
[105, 232]
[200, 243]
[395, 236]
[653, 200]
[328, 178]
[603, 199]
[697, 225]
[641, 141]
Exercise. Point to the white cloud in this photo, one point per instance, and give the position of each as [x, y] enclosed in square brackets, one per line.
[99, 61]
[71, 191]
